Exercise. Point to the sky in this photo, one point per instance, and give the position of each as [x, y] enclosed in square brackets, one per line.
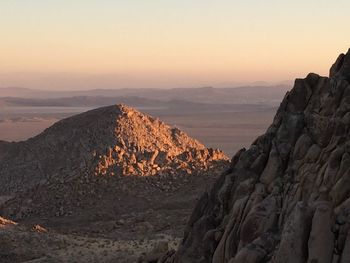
[65, 44]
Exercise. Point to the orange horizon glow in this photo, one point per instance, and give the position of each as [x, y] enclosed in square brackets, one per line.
[197, 43]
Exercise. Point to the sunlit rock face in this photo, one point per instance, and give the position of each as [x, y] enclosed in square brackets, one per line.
[88, 152]
[287, 197]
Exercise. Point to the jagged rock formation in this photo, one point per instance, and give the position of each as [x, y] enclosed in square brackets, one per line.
[87, 153]
[286, 198]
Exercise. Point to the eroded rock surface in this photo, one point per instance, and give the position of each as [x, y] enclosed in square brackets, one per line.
[286, 198]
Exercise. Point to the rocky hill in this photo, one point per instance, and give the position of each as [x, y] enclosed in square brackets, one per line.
[287, 197]
[105, 186]
[87, 153]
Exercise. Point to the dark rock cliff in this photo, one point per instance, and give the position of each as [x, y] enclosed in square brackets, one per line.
[286, 198]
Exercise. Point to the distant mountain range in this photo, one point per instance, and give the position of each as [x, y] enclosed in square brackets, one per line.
[138, 102]
[270, 95]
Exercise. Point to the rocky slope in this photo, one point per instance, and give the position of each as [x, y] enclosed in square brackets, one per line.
[88, 155]
[105, 185]
[286, 198]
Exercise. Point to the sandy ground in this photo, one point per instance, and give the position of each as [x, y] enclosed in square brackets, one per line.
[25, 245]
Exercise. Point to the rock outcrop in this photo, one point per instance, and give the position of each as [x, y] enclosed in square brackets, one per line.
[287, 197]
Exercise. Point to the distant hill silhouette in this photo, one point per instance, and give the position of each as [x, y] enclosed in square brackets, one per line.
[246, 94]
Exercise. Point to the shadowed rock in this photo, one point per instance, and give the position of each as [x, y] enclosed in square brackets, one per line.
[294, 205]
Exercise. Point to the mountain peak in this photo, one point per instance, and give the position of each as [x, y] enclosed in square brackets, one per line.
[341, 68]
[115, 140]
[125, 109]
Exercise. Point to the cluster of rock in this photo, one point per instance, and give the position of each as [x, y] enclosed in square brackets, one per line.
[286, 198]
[146, 146]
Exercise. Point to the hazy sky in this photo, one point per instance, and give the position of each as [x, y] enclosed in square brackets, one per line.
[166, 43]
